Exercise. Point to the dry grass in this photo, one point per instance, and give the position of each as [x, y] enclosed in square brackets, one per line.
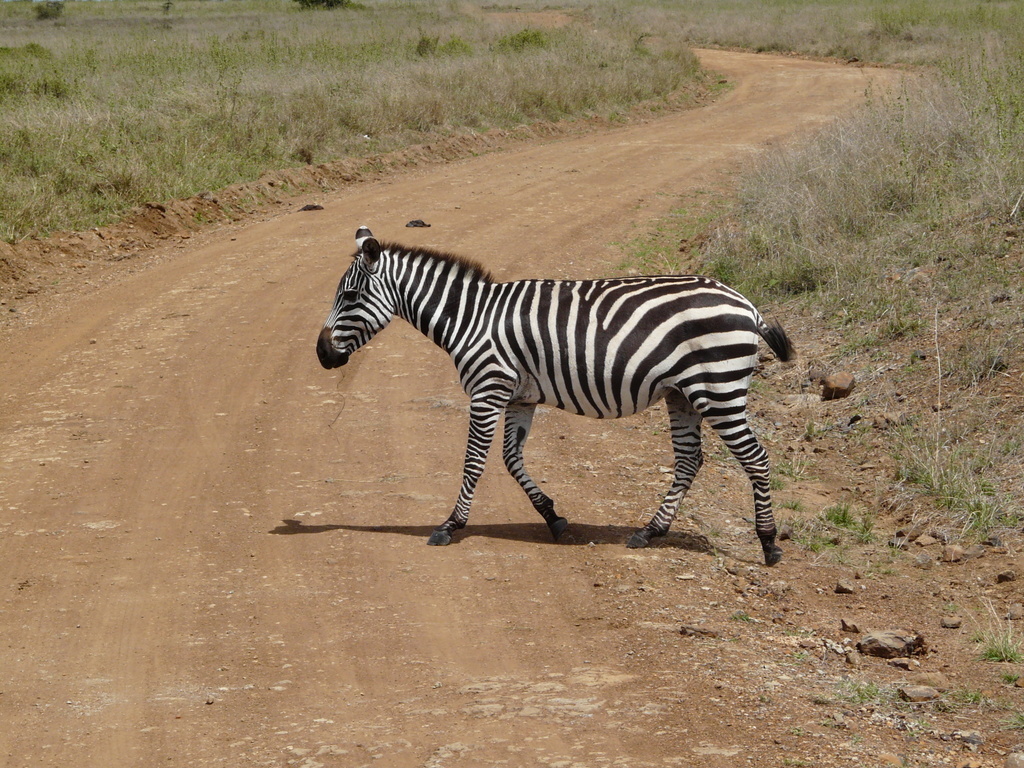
[118, 103]
[897, 228]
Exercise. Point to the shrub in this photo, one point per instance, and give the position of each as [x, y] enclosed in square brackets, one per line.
[324, 3]
[432, 46]
[51, 9]
[525, 39]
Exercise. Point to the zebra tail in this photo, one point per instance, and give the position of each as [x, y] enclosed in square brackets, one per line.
[776, 338]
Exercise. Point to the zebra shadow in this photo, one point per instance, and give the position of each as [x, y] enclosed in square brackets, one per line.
[577, 534]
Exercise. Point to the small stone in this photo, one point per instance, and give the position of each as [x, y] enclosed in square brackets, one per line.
[891, 644]
[850, 625]
[918, 693]
[844, 587]
[853, 659]
[1015, 760]
[975, 551]
[837, 385]
[924, 561]
[687, 631]
[785, 532]
[935, 680]
[913, 531]
[925, 540]
[1005, 576]
[1016, 612]
[951, 622]
[816, 374]
[900, 663]
[952, 553]
[969, 737]
[887, 758]
[890, 419]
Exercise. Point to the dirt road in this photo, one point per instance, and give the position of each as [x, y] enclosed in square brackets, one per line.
[212, 551]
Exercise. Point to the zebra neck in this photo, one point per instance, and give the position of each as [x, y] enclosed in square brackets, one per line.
[449, 306]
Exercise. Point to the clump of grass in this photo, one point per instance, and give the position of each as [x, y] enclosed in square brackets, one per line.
[1000, 643]
[956, 474]
[1014, 722]
[846, 517]
[523, 40]
[834, 526]
[865, 692]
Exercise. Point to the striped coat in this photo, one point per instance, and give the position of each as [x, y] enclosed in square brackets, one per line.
[600, 348]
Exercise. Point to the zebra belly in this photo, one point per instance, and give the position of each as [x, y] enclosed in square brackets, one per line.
[529, 390]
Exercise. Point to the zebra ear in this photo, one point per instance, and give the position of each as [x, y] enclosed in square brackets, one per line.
[369, 248]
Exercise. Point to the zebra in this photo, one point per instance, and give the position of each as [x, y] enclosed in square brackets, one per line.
[601, 348]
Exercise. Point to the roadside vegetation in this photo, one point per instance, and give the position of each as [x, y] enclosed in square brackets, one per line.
[899, 231]
[900, 228]
[107, 105]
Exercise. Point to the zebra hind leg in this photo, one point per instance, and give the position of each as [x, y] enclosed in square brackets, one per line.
[685, 425]
[744, 445]
[518, 418]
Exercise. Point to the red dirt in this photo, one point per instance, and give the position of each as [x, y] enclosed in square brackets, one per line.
[213, 551]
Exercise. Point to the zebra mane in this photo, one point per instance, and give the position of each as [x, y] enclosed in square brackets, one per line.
[464, 263]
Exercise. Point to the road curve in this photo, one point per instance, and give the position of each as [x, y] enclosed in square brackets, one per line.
[212, 550]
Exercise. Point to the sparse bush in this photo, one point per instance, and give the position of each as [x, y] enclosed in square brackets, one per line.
[49, 9]
[427, 46]
[432, 46]
[525, 39]
[324, 3]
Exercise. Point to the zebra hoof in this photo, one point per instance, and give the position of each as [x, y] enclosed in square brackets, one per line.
[772, 553]
[558, 527]
[440, 539]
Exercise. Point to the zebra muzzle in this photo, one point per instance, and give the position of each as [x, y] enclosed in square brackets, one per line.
[330, 357]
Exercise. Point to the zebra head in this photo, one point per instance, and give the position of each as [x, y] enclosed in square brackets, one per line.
[362, 306]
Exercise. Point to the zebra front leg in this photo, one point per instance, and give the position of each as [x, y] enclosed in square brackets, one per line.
[483, 418]
[685, 425]
[518, 418]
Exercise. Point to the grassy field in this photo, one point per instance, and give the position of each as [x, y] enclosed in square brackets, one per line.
[116, 103]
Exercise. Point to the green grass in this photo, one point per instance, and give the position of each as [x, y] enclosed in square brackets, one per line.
[1014, 722]
[106, 105]
[958, 474]
[120, 103]
[833, 528]
[865, 692]
[1000, 644]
